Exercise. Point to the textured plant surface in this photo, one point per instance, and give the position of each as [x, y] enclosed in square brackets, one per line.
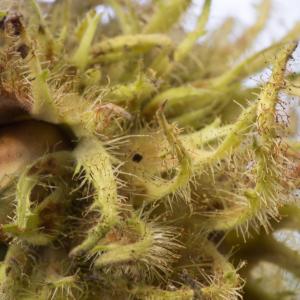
[135, 162]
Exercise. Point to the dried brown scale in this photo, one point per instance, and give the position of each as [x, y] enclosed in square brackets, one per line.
[10, 110]
[25, 141]
[23, 49]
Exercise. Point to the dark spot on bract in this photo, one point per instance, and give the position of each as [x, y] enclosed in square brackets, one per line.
[41, 29]
[23, 49]
[2, 23]
[7, 270]
[3, 248]
[137, 157]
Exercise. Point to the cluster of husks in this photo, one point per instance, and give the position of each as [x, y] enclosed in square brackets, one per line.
[131, 154]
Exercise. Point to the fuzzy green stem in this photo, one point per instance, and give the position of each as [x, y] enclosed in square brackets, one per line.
[120, 47]
[179, 98]
[249, 35]
[157, 189]
[129, 21]
[153, 293]
[43, 106]
[269, 97]
[195, 118]
[184, 48]
[173, 9]
[233, 138]
[17, 265]
[230, 284]
[42, 27]
[28, 220]
[132, 94]
[263, 196]
[252, 64]
[81, 55]
[25, 185]
[208, 134]
[118, 254]
[33, 230]
[94, 160]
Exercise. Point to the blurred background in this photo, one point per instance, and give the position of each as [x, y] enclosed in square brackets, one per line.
[285, 13]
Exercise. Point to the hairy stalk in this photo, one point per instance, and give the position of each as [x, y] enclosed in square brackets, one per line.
[133, 94]
[251, 65]
[186, 45]
[232, 140]
[229, 285]
[178, 98]
[95, 167]
[157, 189]
[152, 293]
[128, 20]
[86, 33]
[211, 132]
[262, 199]
[30, 222]
[252, 32]
[115, 49]
[17, 264]
[159, 22]
[153, 249]
[45, 35]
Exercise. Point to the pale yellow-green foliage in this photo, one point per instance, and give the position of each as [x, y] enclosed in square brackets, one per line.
[171, 157]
